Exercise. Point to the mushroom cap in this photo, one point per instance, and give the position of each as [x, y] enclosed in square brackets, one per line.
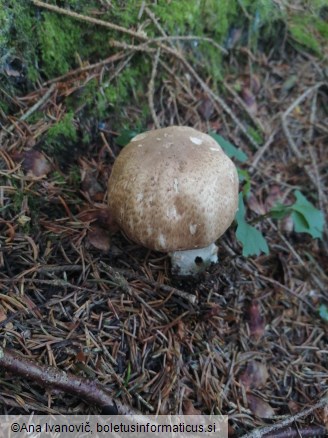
[173, 189]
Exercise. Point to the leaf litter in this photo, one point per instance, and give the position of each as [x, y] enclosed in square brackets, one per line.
[244, 339]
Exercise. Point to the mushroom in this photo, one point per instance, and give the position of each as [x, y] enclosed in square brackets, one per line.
[174, 190]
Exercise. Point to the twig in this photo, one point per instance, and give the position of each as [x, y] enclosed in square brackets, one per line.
[152, 16]
[261, 432]
[259, 154]
[304, 432]
[123, 284]
[131, 276]
[111, 153]
[79, 70]
[151, 91]
[90, 390]
[91, 20]
[143, 47]
[164, 287]
[33, 108]
[192, 38]
[177, 79]
[38, 104]
[257, 122]
[284, 116]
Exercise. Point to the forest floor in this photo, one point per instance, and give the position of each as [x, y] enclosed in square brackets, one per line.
[247, 338]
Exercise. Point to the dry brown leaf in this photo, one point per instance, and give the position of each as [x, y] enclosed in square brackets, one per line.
[3, 314]
[80, 357]
[99, 238]
[293, 407]
[35, 163]
[259, 407]
[10, 232]
[255, 320]
[250, 100]
[206, 107]
[325, 416]
[101, 217]
[189, 409]
[91, 185]
[255, 205]
[255, 375]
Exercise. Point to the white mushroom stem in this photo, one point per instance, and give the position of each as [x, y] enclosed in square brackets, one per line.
[193, 261]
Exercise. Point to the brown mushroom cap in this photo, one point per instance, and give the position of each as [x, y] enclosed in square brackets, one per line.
[173, 189]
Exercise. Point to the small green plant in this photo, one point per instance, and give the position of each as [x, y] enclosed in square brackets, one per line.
[252, 240]
[323, 312]
[306, 218]
[229, 148]
[125, 137]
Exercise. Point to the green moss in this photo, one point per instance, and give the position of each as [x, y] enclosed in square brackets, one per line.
[303, 32]
[59, 39]
[18, 34]
[50, 44]
[61, 136]
[74, 177]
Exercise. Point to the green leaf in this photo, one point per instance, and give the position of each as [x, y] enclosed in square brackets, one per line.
[323, 312]
[229, 148]
[244, 176]
[125, 137]
[252, 240]
[307, 218]
[279, 211]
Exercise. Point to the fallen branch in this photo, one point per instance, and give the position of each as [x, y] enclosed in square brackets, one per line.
[47, 376]
[264, 431]
[304, 432]
[86, 68]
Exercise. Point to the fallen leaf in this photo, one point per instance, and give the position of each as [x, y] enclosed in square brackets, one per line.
[80, 357]
[293, 407]
[101, 217]
[91, 185]
[3, 315]
[250, 100]
[205, 107]
[210, 310]
[255, 84]
[90, 179]
[10, 232]
[189, 409]
[181, 330]
[255, 205]
[275, 195]
[256, 322]
[325, 416]
[99, 238]
[35, 163]
[259, 407]
[255, 375]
